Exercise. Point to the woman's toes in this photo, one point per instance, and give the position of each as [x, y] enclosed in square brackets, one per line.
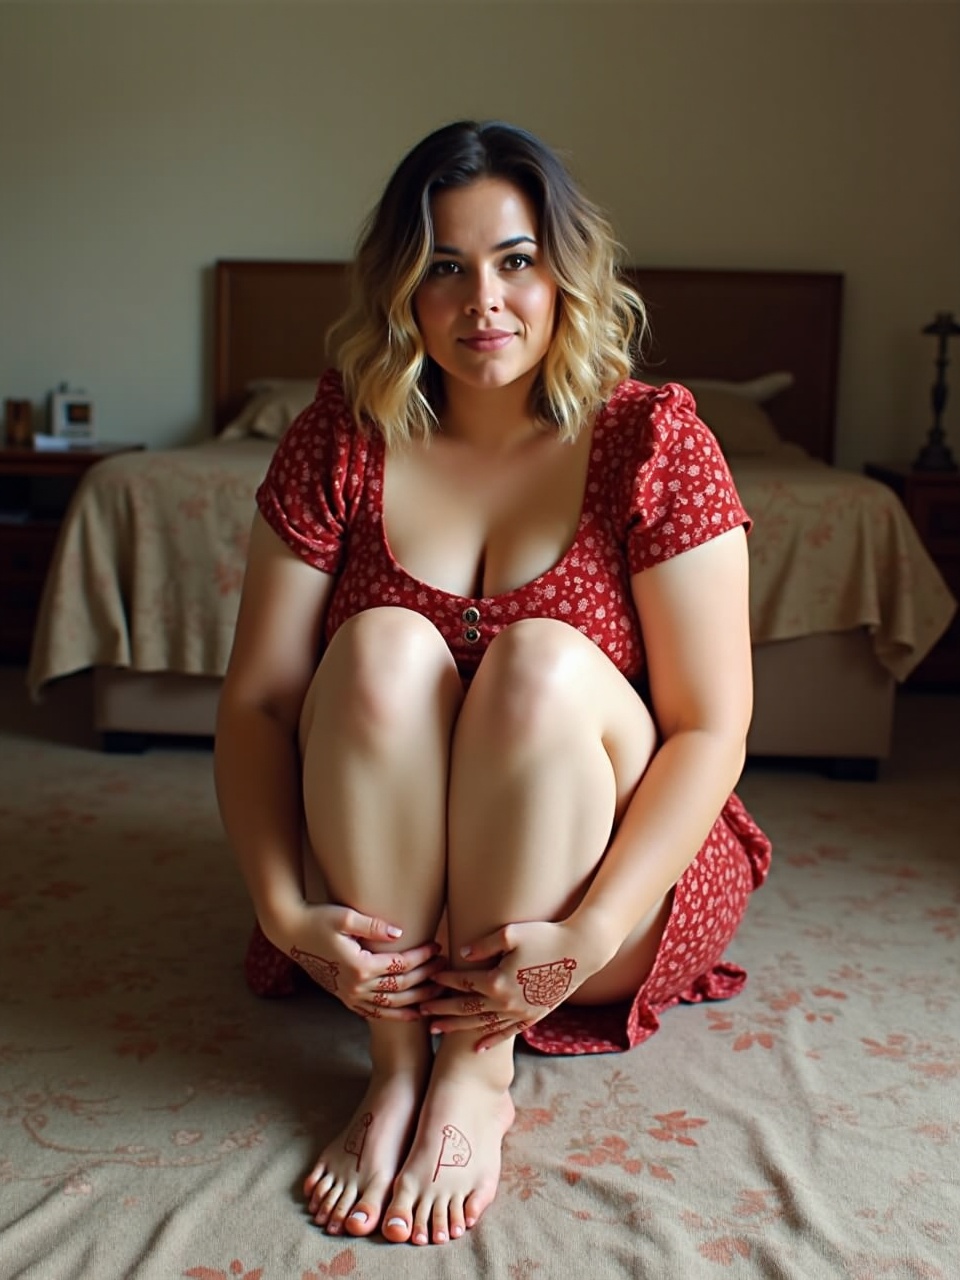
[440, 1223]
[362, 1220]
[396, 1229]
[316, 1188]
[457, 1221]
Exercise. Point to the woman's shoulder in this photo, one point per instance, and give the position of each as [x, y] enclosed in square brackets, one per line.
[640, 418]
[635, 398]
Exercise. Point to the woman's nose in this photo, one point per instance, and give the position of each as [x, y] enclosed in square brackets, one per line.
[485, 294]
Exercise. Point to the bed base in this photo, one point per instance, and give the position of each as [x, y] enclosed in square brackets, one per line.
[821, 698]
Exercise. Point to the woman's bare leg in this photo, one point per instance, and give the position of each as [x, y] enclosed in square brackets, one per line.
[549, 746]
[375, 741]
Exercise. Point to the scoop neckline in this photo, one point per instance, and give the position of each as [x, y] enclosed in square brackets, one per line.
[380, 456]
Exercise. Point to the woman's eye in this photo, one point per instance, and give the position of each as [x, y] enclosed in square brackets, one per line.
[517, 261]
[444, 268]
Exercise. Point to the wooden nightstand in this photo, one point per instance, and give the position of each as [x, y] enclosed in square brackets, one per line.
[932, 500]
[35, 490]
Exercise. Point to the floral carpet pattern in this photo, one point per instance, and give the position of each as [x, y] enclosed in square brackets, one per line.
[156, 1119]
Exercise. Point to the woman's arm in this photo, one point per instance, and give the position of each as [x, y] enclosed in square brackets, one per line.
[694, 616]
[257, 770]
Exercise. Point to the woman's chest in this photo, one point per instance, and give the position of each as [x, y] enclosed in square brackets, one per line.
[478, 525]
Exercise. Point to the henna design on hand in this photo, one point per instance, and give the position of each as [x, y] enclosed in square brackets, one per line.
[381, 1000]
[473, 1005]
[546, 984]
[323, 972]
[357, 1137]
[388, 984]
[455, 1150]
[396, 966]
[492, 1021]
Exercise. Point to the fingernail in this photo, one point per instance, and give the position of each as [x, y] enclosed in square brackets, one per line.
[436, 1031]
[393, 931]
[465, 951]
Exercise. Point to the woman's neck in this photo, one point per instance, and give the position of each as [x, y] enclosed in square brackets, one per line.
[494, 421]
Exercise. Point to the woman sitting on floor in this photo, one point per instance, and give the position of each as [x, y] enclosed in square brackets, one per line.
[488, 532]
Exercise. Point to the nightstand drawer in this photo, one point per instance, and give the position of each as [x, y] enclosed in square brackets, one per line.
[25, 554]
[932, 500]
[936, 513]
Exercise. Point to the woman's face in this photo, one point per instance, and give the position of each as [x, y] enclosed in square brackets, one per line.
[487, 307]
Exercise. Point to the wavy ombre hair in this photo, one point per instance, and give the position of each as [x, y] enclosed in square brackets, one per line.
[388, 377]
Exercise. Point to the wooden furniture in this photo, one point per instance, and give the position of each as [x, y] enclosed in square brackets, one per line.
[932, 500]
[35, 491]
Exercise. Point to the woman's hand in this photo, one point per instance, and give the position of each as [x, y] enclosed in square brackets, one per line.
[538, 965]
[327, 941]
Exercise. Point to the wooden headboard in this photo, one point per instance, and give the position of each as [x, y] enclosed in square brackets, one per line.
[271, 319]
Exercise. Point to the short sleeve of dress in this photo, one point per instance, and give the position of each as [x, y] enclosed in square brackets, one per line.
[682, 492]
[308, 493]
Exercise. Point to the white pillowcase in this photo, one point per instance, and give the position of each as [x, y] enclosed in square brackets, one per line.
[758, 390]
[273, 405]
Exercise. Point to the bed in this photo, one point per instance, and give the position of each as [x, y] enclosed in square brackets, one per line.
[145, 583]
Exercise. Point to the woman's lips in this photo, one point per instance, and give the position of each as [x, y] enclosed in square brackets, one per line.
[488, 340]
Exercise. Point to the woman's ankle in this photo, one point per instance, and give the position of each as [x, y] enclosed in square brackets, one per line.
[400, 1046]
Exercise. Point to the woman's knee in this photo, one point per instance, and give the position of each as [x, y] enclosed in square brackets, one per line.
[532, 674]
[382, 667]
[542, 680]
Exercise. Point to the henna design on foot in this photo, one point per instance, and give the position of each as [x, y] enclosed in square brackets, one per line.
[323, 972]
[455, 1150]
[357, 1137]
[546, 984]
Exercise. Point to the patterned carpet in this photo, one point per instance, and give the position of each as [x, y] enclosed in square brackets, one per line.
[156, 1120]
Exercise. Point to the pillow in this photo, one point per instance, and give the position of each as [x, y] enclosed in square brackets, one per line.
[732, 410]
[741, 425]
[756, 389]
[273, 405]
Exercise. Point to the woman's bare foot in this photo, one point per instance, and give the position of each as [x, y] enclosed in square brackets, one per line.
[348, 1185]
[452, 1172]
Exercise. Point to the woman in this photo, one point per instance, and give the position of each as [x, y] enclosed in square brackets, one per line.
[477, 523]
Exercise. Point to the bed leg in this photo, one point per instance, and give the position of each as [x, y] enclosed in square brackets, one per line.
[115, 742]
[853, 768]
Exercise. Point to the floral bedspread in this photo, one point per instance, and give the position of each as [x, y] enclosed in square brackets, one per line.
[833, 550]
[148, 571]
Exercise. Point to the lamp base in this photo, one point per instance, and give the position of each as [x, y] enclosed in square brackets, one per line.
[935, 454]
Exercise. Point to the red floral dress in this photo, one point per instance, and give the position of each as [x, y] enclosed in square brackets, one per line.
[657, 485]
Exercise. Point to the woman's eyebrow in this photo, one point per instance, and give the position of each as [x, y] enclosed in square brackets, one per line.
[512, 243]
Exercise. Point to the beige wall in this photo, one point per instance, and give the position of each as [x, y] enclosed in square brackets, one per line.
[140, 141]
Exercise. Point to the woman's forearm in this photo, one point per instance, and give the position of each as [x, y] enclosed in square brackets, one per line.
[256, 767]
[670, 815]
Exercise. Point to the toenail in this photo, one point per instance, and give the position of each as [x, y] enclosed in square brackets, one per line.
[358, 1216]
[396, 1222]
